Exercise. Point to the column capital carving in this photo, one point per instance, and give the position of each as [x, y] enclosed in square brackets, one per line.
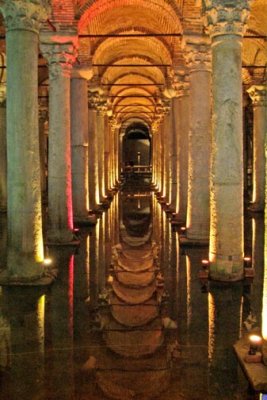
[180, 82]
[60, 52]
[25, 14]
[2, 94]
[257, 94]
[198, 53]
[96, 100]
[226, 17]
[114, 124]
[82, 72]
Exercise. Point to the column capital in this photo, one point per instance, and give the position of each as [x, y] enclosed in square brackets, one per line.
[24, 14]
[82, 72]
[257, 93]
[2, 94]
[226, 17]
[96, 100]
[197, 53]
[181, 83]
[60, 50]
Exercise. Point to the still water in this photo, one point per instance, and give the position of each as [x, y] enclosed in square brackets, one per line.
[127, 317]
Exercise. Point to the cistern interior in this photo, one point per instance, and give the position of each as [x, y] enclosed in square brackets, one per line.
[132, 200]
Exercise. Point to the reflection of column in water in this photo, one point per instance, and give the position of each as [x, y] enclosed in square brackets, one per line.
[94, 290]
[197, 321]
[3, 239]
[107, 241]
[258, 264]
[264, 302]
[225, 307]
[22, 342]
[60, 322]
[101, 253]
[174, 267]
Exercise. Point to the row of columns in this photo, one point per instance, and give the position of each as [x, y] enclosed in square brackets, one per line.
[214, 137]
[74, 131]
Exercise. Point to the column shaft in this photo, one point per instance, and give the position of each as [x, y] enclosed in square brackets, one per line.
[258, 96]
[79, 145]
[3, 159]
[198, 210]
[23, 161]
[93, 192]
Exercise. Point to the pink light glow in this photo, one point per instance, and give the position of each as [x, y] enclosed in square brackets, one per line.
[70, 294]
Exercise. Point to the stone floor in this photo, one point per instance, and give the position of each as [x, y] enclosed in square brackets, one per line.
[55, 341]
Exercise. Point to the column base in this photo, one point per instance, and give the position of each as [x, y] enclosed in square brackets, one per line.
[188, 242]
[226, 273]
[257, 208]
[61, 238]
[46, 278]
[89, 220]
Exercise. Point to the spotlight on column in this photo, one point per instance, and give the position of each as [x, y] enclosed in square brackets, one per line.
[47, 261]
[249, 272]
[203, 273]
[183, 231]
[254, 354]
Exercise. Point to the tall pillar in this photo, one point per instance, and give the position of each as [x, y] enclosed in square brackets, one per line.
[198, 210]
[258, 96]
[181, 128]
[79, 146]
[60, 51]
[100, 149]
[43, 116]
[3, 153]
[92, 152]
[25, 240]
[226, 26]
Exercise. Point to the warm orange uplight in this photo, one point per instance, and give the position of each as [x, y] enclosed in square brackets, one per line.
[47, 261]
[255, 344]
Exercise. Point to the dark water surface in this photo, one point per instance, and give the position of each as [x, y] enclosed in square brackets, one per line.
[78, 339]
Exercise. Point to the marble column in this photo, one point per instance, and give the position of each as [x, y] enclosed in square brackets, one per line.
[3, 154]
[79, 146]
[258, 96]
[60, 51]
[106, 156]
[198, 210]
[181, 127]
[25, 239]
[92, 152]
[226, 24]
[43, 116]
[100, 150]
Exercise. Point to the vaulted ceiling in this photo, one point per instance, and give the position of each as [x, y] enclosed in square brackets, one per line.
[133, 46]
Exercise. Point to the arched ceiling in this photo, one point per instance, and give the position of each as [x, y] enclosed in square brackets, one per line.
[132, 67]
[132, 45]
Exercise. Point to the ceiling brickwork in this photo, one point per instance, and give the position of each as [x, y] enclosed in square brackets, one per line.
[113, 44]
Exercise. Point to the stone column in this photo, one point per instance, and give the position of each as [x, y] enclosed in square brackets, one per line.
[92, 152]
[25, 239]
[43, 116]
[106, 156]
[198, 210]
[181, 128]
[79, 146]
[258, 96]
[60, 51]
[100, 150]
[226, 26]
[3, 153]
